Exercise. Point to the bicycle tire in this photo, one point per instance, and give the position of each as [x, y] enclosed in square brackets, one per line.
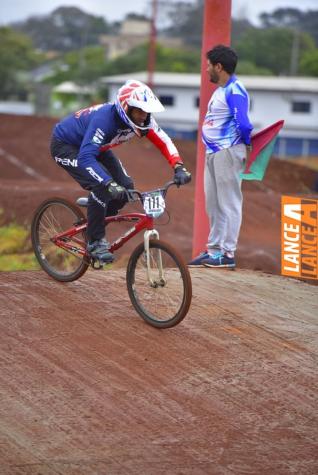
[165, 305]
[52, 217]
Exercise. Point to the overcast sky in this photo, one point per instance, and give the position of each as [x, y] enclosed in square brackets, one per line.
[16, 10]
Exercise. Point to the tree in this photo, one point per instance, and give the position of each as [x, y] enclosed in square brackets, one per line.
[167, 59]
[271, 48]
[186, 20]
[65, 29]
[82, 66]
[309, 63]
[305, 21]
[16, 56]
[250, 69]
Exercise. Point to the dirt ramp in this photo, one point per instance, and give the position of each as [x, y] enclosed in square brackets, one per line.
[87, 388]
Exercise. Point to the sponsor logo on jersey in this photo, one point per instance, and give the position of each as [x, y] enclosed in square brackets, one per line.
[98, 137]
[100, 202]
[87, 110]
[66, 162]
[94, 174]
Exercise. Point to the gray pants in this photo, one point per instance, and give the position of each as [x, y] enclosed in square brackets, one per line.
[223, 197]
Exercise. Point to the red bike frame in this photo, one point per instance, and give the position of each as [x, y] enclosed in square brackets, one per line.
[142, 221]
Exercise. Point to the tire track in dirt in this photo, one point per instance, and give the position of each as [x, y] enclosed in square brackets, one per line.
[88, 388]
[22, 166]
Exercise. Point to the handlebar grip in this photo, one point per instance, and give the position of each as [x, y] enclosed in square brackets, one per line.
[164, 189]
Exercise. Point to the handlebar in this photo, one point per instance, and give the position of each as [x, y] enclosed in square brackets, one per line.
[141, 194]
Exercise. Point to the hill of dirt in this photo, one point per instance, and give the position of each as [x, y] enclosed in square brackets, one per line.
[29, 175]
[88, 388]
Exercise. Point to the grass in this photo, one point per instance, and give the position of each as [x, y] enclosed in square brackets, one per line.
[11, 262]
[15, 249]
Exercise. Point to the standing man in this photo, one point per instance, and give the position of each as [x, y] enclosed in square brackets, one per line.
[226, 134]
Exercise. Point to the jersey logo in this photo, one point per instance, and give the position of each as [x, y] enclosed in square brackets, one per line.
[98, 137]
[94, 174]
[67, 162]
[87, 110]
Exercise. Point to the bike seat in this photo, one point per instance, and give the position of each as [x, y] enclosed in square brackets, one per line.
[83, 201]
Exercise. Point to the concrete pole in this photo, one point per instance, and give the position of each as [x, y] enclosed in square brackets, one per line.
[216, 30]
[152, 45]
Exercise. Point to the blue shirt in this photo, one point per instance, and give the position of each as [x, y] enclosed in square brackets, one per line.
[226, 122]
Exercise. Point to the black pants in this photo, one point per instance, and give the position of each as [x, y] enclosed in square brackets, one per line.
[100, 203]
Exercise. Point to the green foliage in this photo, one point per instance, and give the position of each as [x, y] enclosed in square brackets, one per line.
[15, 249]
[250, 69]
[309, 63]
[186, 20]
[13, 239]
[167, 59]
[305, 21]
[14, 262]
[89, 64]
[82, 66]
[271, 48]
[65, 29]
[16, 55]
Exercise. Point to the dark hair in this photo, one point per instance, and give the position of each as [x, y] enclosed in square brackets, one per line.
[224, 55]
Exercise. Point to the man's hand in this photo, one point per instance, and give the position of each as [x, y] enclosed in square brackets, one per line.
[181, 175]
[117, 192]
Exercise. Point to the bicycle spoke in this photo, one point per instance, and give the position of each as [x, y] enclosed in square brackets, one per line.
[56, 217]
[160, 301]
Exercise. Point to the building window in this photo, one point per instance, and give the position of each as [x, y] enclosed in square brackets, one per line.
[197, 102]
[301, 106]
[167, 100]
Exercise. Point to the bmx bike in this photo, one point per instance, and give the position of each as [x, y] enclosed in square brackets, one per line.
[158, 280]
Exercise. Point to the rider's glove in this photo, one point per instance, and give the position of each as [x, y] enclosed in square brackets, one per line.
[117, 192]
[181, 175]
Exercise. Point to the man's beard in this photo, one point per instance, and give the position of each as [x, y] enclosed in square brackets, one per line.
[214, 78]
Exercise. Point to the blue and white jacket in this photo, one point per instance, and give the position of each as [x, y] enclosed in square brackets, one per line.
[226, 122]
[100, 128]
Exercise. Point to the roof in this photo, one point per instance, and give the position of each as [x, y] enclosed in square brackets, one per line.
[160, 79]
[69, 87]
[261, 83]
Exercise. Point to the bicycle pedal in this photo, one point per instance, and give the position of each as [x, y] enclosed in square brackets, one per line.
[98, 264]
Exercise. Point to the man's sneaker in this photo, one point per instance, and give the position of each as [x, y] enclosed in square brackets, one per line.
[197, 261]
[99, 250]
[219, 260]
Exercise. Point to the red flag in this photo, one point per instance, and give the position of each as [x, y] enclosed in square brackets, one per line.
[262, 148]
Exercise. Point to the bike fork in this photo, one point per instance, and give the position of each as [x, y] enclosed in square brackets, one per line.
[153, 233]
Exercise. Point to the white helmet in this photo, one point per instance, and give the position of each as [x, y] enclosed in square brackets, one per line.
[137, 94]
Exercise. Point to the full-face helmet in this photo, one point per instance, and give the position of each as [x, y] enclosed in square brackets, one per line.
[137, 94]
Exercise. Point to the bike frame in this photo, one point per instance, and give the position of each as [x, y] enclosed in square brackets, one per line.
[142, 222]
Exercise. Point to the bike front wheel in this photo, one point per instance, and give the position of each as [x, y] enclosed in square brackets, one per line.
[159, 288]
[53, 217]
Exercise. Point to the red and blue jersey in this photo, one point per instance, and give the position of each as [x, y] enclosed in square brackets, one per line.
[100, 128]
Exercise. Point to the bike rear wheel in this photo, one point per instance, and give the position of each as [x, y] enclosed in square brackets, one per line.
[164, 302]
[55, 216]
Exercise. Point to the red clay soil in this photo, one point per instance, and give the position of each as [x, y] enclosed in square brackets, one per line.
[28, 175]
[88, 388]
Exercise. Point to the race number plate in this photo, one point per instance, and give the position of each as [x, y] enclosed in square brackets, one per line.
[154, 204]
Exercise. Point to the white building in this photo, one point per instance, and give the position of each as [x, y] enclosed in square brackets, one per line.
[293, 99]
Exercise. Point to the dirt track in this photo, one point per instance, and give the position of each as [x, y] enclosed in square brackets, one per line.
[28, 175]
[87, 388]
